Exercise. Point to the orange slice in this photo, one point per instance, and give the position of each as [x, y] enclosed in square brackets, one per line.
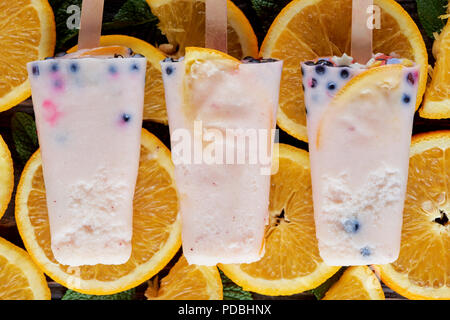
[187, 282]
[156, 225]
[6, 176]
[194, 54]
[106, 51]
[154, 101]
[357, 283]
[423, 267]
[27, 33]
[291, 263]
[437, 97]
[20, 278]
[183, 23]
[307, 29]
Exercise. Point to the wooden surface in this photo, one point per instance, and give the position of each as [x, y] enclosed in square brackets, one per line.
[8, 228]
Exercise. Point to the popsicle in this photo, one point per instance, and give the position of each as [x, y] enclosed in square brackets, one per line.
[223, 202]
[359, 120]
[89, 117]
[88, 108]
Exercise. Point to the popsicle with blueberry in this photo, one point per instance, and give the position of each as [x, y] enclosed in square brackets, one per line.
[88, 108]
[221, 115]
[359, 121]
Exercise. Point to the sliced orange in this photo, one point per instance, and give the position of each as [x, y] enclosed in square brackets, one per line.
[156, 225]
[20, 278]
[357, 283]
[187, 282]
[307, 29]
[154, 101]
[106, 51]
[437, 97]
[347, 101]
[422, 270]
[196, 54]
[27, 33]
[183, 23]
[6, 176]
[291, 263]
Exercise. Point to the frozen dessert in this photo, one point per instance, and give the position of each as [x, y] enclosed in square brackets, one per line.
[359, 120]
[88, 108]
[222, 113]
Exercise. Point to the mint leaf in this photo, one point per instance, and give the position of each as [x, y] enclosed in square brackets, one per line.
[127, 17]
[232, 291]
[429, 12]
[320, 291]
[134, 18]
[73, 295]
[24, 135]
[267, 10]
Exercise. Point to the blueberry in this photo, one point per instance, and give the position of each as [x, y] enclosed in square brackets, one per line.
[345, 74]
[35, 70]
[331, 86]
[264, 60]
[58, 84]
[313, 83]
[365, 252]
[309, 63]
[126, 117]
[169, 59]
[112, 69]
[74, 67]
[54, 67]
[410, 79]
[134, 67]
[324, 62]
[320, 69]
[406, 98]
[169, 70]
[249, 59]
[351, 226]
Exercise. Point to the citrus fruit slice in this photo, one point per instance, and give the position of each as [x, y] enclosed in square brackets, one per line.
[183, 23]
[154, 100]
[291, 263]
[27, 33]
[194, 54]
[20, 279]
[347, 102]
[423, 267]
[357, 283]
[437, 97]
[307, 29]
[156, 225]
[6, 176]
[187, 282]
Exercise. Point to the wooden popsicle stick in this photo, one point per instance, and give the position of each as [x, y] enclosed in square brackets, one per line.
[216, 25]
[90, 24]
[362, 33]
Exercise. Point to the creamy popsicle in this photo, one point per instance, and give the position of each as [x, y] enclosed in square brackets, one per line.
[224, 197]
[359, 120]
[88, 108]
